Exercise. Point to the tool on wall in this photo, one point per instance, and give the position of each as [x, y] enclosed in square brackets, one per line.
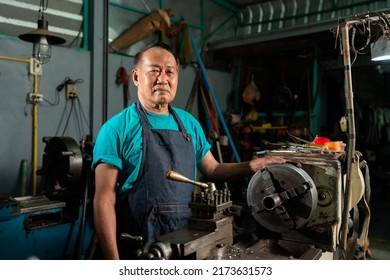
[218, 109]
[251, 93]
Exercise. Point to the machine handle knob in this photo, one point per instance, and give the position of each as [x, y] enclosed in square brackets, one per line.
[175, 176]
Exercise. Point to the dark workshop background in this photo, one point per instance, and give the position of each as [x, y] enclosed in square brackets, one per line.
[278, 46]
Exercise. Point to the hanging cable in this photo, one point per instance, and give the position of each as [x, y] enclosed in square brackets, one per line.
[67, 120]
[76, 111]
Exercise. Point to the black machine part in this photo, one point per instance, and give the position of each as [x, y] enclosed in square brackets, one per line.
[62, 163]
[282, 198]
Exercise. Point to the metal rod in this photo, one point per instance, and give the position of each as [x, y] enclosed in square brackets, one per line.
[35, 140]
[348, 92]
[175, 176]
[221, 116]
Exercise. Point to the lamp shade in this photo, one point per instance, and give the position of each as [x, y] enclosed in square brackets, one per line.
[35, 35]
[380, 50]
[42, 40]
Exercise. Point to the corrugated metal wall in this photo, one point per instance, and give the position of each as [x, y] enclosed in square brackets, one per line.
[284, 18]
[264, 20]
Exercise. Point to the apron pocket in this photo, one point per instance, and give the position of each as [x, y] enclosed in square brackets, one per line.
[166, 218]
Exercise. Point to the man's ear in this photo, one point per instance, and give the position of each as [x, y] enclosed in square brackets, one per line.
[134, 75]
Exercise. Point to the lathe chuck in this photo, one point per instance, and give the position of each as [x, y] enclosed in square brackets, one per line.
[62, 162]
[282, 198]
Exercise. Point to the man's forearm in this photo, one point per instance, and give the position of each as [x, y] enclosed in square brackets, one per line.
[105, 226]
[234, 170]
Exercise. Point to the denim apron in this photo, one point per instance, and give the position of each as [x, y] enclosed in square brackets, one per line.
[156, 204]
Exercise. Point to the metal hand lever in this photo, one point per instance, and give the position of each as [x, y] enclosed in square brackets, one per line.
[173, 175]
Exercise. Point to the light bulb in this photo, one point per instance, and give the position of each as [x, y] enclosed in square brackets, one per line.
[42, 50]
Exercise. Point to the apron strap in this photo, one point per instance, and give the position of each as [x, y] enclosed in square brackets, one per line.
[146, 125]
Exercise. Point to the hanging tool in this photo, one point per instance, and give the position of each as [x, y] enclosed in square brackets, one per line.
[198, 78]
[191, 98]
[123, 79]
[221, 117]
[146, 26]
[251, 93]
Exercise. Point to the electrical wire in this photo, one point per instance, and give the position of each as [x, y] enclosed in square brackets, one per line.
[364, 27]
[76, 120]
[56, 100]
[83, 114]
[76, 111]
[67, 119]
[80, 29]
[79, 117]
[62, 117]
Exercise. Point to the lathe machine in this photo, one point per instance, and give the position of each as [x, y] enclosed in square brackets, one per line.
[292, 211]
[57, 223]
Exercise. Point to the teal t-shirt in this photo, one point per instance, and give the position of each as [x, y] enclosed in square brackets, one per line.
[119, 141]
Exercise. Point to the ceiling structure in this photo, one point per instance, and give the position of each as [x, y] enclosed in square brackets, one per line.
[261, 21]
[231, 26]
[65, 18]
[278, 26]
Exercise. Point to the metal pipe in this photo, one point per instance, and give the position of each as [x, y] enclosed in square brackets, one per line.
[221, 116]
[216, 29]
[85, 25]
[35, 140]
[348, 92]
[226, 5]
[344, 27]
[27, 60]
[105, 62]
[34, 125]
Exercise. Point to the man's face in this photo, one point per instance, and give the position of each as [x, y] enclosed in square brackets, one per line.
[156, 77]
